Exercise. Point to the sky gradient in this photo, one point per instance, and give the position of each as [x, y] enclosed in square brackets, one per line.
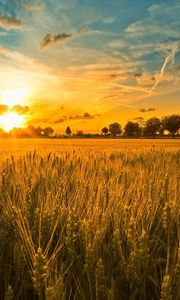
[89, 63]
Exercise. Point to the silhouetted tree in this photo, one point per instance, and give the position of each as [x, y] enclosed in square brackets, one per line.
[79, 133]
[115, 129]
[132, 129]
[31, 131]
[48, 131]
[68, 131]
[152, 127]
[172, 124]
[161, 131]
[21, 133]
[39, 131]
[105, 130]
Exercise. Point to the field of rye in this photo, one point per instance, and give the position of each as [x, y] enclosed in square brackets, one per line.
[92, 222]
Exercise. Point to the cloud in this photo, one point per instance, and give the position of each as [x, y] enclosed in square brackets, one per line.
[2, 51]
[175, 69]
[39, 120]
[85, 116]
[151, 33]
[3, 33]
[170, 59]
[144, 110]
[10, 22]
[88, 116]
[139, 118]
[19, 58]
[61, 120]
[109, 20]
[50, 39]
[21, 110]
[3, 109]
[145, 79]
[33, 6]
[118, 44]
[140, 29]
[157, 11]
[151, 109]
[138, 74]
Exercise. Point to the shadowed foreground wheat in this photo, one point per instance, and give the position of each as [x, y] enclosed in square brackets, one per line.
[90, 225]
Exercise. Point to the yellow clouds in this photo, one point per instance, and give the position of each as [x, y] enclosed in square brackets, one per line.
[21, 110]
[10, 22]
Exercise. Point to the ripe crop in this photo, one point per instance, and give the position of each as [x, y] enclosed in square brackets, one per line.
[90, 224]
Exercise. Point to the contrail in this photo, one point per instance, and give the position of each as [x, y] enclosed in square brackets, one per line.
[168, 59]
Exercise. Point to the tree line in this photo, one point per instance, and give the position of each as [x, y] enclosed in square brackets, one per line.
[152, 128]
[28, 132]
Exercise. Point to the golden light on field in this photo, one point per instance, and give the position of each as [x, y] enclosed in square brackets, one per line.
[15, 97]
[11, 120]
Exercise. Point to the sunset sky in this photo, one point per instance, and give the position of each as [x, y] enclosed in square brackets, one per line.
[87, 63]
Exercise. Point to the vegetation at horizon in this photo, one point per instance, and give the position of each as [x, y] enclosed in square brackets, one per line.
[151, 128]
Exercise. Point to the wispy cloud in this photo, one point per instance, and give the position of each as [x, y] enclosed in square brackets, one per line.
[118, 44]
[160, 20]
[170, 58]
[33, 5]
[39, 121]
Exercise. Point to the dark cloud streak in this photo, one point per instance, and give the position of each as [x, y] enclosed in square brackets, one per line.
[144, 110]
[85, 116]
[50, 39]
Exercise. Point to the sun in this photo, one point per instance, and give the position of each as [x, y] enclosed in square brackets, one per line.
[11, 98]
[11, 120]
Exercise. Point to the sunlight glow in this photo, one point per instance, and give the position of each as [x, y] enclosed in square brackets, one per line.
[15, 97]
[11, 120]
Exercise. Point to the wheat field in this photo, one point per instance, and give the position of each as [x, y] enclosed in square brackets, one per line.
[85, 219]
